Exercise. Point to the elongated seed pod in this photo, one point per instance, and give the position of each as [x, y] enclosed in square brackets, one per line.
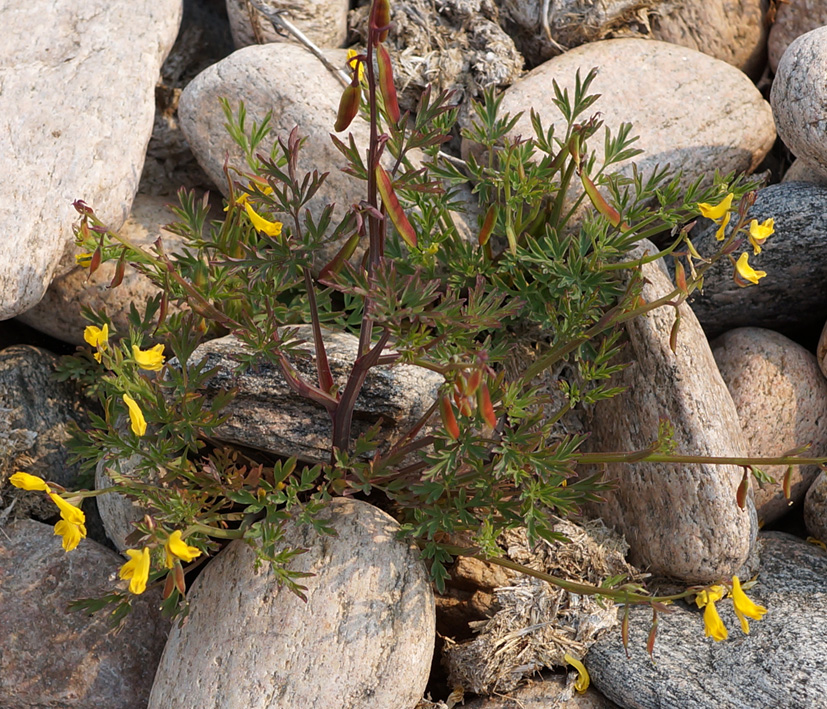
[449, 420]
[395, 211]
[348, 106]
[599, 202]
[485, 405]
[380, 17]
[386, 86]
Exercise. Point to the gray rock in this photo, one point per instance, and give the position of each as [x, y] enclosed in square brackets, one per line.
[50, 657]
[664, 91]
[793, 19]
[815, 508]
[799, 97]
[821, 350]
[101, 60]
[118, 513]
[323, 21]
[267, 414]
[59, 313]
[680, 520]
[777, 665]
[549, 692]
[802, 171]
[781, 398]
[794, 258]
[364, 637]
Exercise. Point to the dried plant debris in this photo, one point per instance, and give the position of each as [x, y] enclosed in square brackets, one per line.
[15, 444]
[537, 623]
[450, 44]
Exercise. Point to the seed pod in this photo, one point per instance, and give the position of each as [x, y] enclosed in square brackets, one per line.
[485, 405]
[624, 630]
[168, 586]
[449, 420]
[178, 573]
[343, 255]
[395, 211]
[673, 335]
[786, 486]
[380, 17]
[653, 631]
[743, 489]
[348, 106]
[488, 225]
[96, 260]
[386, 85]
[680, 277]
[117, 279]
[599, 202]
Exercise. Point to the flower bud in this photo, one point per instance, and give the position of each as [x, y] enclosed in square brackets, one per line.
[348, 107]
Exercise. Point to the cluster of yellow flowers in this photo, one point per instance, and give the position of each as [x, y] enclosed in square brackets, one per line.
[259, 222]
[743, 606]
[72, 527]
[758, 233]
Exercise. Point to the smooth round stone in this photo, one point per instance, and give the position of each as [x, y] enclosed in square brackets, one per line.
[793, 19]
[781, 397]
[324, 22]
[802, 171]
[815, 508]
[799, 97]
[363, 638]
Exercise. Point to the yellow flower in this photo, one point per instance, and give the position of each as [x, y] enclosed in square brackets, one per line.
[152, 359]
[97, 337]
[260, 223]
[711, 594]
[744, 273]
[744, 607]
[136, 569]
[83, 260]
[811, 540]
[351, 55]
[713, 625]
[136, 416]
[759, 233]
[68, 511]
[72, 533]
[581, 684]
[716, 211]
[175, 546]
[29, 482]
[719, 235]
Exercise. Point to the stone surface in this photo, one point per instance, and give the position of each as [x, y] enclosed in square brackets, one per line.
[50, 657]
[815, 508]
[364, 637]
[694, 112]
[548, 692]
[102, 60]
[35, 413]
[781, 398]
[118, 512]
[324, 22]
[793, 19]
[794, 258]
[267, 414]
[704, 25]
[821, 350]
[59, 313]
[799, 97]
[680, 520]
[802, 171]
[779, 664]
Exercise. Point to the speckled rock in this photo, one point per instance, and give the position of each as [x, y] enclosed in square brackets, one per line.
[267, 414]
[799, 97]
[364, 638]
[792, 294]
[50, 657]
[102, 60]
[694, 112]
[680, 520]
[35, 413]
[118, 512]
[802, 171]
[781, 398]
[779, 664]
[323, 21]
[793, 19]
[59, 313]
[815, 508]
[821, 350]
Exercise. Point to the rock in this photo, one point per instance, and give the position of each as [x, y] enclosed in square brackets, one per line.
[323, 21]
[821, 350]
[102, 60]
[781, 398]
[802, 171]
[793, 19]
[799, 96]
[549, 691]
[815, 508]
[118, 512]
[777, 665]
[680, 520]
[665, 92]
[59, 313]
[791, 296]
[267, 414]
[364, 637]
[50, 657]
[705, 26]
[35, 413]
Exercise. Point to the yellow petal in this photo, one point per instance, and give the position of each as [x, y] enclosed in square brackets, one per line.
[351, 55]
[152, 359]
[744, 606]
[711, 594]
[136, 416]
[175, 546]
[759, 233]
[713, 625]
[581, 684]
[29, 482]
[83, 260]
[68, 511]
[71, 533]
[745, 273]
[260, 223]
[136, 569]
[719, 235]
[716, 211]
[96, 336]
